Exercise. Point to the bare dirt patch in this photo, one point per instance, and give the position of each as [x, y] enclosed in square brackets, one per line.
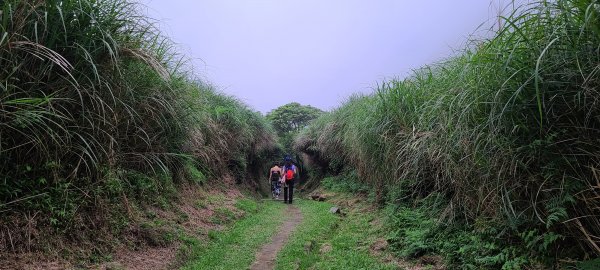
[31, 261]
[265, 258]
[150, 258]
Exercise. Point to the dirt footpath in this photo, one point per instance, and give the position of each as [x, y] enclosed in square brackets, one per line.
[265, 258]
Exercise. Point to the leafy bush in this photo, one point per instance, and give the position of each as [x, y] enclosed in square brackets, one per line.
[416, 231]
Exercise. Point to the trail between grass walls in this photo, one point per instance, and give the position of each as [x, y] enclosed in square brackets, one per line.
[265, 258]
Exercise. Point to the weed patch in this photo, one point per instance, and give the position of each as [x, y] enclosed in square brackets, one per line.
[247, 205]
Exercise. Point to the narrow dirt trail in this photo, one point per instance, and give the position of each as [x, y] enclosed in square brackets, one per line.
[265, 258]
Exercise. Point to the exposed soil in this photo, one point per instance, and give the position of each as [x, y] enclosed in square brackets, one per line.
[265, 258]
[31, 261]
[151, 258]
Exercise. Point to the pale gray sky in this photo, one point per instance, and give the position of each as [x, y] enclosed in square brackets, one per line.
[316, 52]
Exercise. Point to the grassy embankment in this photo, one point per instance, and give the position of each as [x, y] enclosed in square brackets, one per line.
[99, 119]
[490, 158]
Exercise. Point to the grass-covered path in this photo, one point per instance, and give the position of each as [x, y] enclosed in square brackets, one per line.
[265, 258]
[304, 235]
[235, 247]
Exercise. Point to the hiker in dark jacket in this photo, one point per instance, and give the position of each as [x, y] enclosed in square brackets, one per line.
[289, 174]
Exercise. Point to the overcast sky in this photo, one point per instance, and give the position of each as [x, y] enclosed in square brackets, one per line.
[316, 52]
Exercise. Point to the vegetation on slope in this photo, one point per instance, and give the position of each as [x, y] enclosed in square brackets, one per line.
[502, 140]
[97, 115]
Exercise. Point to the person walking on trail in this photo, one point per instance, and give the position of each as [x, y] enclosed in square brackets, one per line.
[274, 177]
[288, 178]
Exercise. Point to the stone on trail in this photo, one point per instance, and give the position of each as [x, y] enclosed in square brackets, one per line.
[318, 197]
[335, 210]
[379, 245]
[309, 246]
[325, 248]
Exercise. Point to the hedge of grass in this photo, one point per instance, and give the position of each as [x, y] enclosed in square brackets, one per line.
[97, 111]
[507, 134]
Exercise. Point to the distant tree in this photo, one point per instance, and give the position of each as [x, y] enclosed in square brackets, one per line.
[290, 118]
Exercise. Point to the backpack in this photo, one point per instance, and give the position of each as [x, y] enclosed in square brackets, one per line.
[289, 173]
[275, 175]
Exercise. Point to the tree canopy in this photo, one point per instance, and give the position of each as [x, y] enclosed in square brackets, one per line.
[292, 117]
